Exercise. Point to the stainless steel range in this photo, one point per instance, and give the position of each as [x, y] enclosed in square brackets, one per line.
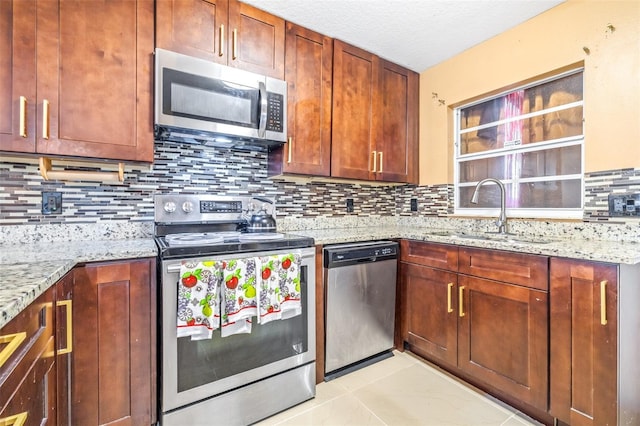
[221, 364]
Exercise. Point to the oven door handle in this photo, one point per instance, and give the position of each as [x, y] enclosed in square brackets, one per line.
[173, 268]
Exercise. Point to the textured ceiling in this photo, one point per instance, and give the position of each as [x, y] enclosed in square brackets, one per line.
[414, 33]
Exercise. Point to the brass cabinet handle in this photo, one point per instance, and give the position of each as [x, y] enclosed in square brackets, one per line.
[374, 154]
[13, 342]
[603, 302]
[380, 153]
[68, 305]
[460, 299]
[15, 420]
[289, 147]
[45, 119]
[221, 50]
[23, 116]
[234, 51]
[449, 288]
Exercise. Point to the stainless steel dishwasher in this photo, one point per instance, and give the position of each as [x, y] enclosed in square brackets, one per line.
[360, 286]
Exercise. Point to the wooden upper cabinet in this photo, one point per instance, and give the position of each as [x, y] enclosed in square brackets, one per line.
[355, 79]
[224, 31]
[309, 61]
[397, 141]
[17, 75]
[256, 40]
[193, 27]
[94, 79]
[375, 117]
[90, 65]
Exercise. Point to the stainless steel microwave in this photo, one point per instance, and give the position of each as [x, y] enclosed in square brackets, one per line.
[198, 101]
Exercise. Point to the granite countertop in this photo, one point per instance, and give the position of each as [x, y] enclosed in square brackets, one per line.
[597, 250]
[28, 270]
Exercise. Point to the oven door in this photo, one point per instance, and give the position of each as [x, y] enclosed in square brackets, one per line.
[200, 369]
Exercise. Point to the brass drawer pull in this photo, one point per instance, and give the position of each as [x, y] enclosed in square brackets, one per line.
[380, 153]
[13, 342]
[374, 154]
[23, 116]
[460, 299]
[603, 302]
[69, 313]
[449, 289]
[290, 148]
[221, 50]
[45, 119]
[15, 420]
[234, 52]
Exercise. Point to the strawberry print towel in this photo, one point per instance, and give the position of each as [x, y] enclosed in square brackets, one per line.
[279, 287]
[239, 302]
[198, 299]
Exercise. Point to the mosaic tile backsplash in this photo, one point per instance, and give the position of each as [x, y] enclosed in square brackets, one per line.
[194, 169]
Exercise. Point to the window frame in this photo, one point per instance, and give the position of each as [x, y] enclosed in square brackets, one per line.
[522, 212]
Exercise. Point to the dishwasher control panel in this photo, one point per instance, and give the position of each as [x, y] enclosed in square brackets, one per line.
[338, 255]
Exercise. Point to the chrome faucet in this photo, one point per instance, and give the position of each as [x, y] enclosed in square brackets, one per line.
[502, 219]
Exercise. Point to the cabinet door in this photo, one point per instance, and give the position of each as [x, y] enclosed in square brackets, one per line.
[193, 27]
[430, 312]
[584, 328]
[397, 140]
[94, 70]
[255, 40]
[64, 346]
[309, 62]
[503, 337]
[27, 375]
[113, 358]
[355, 79]
[17, 75]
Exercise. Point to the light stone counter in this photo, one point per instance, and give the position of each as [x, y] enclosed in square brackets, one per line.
[603, 251]
[27, 270]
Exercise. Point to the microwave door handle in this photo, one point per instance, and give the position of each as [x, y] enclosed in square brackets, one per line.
[262, 127]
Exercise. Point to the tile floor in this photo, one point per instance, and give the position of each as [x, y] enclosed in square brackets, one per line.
[401, 390]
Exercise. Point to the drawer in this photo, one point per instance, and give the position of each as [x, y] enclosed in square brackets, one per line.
[23, 342]
[528, 270]
[441, 256]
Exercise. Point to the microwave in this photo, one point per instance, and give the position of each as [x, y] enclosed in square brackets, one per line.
[199, 101]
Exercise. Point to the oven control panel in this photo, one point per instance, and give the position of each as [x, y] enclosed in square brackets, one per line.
[202, 208]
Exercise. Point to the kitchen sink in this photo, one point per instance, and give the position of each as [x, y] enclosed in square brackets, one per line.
[491, 236]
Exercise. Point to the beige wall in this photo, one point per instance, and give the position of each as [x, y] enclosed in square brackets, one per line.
[550, 41]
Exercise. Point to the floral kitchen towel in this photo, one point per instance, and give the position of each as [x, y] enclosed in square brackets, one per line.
[239, 301]
[199, 299]
[279, 287]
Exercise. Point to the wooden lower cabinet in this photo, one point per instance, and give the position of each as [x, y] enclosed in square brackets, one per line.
[491, 333]
[430, 303]
[107, 371]
[503, 337]
[595, 335]
[27, 366]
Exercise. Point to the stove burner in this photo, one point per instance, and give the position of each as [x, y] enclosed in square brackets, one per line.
[261, 236]
[191, 239]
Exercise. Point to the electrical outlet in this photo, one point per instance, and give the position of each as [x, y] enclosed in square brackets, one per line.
[414, 204]
[51, 203]
[624, 204]
[349, 205]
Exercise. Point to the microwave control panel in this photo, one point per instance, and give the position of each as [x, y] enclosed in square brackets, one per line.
[275, 108]
[624, 205]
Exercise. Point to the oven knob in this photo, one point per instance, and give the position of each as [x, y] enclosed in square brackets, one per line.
[187, 206]
[170, 207]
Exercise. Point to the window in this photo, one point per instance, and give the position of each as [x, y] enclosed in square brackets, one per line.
[532, 140]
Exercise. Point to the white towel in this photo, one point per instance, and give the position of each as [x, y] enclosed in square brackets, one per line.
[279, 287]
[199, 299]
[239, 301]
